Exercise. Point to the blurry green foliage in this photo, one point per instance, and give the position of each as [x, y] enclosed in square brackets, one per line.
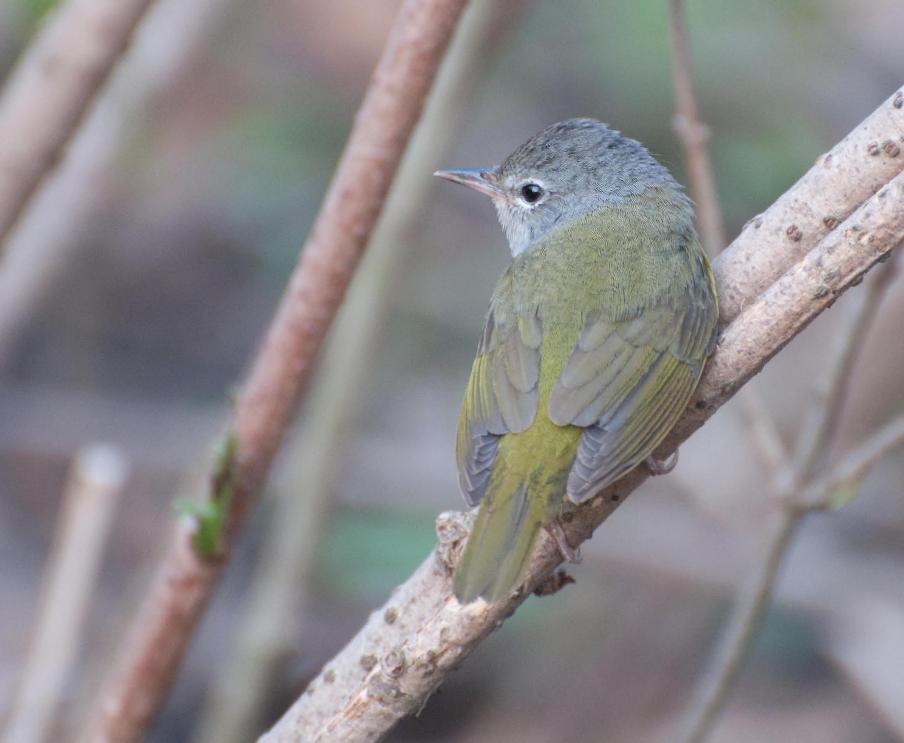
[368, 552]
[33, 11]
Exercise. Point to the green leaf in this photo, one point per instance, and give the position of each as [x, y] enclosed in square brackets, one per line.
[210, 515]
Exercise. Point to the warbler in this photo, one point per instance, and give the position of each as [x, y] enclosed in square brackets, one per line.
[596, 336]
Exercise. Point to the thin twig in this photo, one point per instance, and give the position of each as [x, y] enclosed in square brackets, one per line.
[408, 646]
[854, 466]
[51, 89]
[821, 423]
[741, 629]
[694, 134]
[277, 600]
[694, 137]
[388, 114]
[798, 497]
[763, 431]
[95, 481]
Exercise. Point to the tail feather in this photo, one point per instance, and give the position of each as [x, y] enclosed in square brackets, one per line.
[500, 544]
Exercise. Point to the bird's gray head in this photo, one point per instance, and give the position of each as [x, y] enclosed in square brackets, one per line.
[566, 171]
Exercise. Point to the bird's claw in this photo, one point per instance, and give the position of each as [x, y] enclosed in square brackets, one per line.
[662, 466]
[569, 553]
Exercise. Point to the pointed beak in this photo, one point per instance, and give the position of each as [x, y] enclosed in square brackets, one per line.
[480, 179]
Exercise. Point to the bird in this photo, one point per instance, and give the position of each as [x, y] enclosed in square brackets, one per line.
[595, 339]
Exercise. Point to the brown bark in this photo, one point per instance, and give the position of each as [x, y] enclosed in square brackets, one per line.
[384, 122]
[51, 89]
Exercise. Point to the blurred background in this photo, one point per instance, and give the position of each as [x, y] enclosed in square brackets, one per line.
[138, 287]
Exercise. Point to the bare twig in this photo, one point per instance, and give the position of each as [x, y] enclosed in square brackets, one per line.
[95, 482]
[276, 605]
[694, 137]
[51, 89]
[410, 644]
[353, 202]
[854, 466]
[694, 134]
[831, 397]
[799, 496]
[763, 431]
[741, 629]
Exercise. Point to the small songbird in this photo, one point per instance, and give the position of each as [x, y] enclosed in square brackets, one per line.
[594, 341]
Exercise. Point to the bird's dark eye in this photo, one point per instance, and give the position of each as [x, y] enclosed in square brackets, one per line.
[531, 193]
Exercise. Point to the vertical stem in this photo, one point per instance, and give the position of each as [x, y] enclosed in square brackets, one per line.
[694, 135]
[94, 484]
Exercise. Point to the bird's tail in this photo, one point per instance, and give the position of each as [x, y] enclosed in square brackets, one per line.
[500, 543]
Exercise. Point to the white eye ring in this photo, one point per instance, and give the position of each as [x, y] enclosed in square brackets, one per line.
[531, 193]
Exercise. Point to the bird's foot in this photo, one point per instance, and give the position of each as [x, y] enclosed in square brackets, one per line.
[569, 553]
[662, 466]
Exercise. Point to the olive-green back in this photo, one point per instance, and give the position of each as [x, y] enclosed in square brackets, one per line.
[595, 339]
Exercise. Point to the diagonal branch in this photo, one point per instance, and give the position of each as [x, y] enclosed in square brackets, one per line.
[51, 89]
[855, 465]
[822, 421]
[385, 120]
[840, 180]
[742, 625]
[408, 646]
[799, 497]
[277, 599]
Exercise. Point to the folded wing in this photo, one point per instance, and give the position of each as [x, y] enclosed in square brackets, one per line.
[501, 396]
[627, 382]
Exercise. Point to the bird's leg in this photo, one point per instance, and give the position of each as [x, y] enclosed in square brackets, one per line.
[662, 466]
[569, 553]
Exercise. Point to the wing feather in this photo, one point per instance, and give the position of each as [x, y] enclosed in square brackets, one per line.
[501, 396]
[627, 381]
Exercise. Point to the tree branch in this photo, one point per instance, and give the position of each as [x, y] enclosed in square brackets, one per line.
[408, 646]
[47, 237]
[51, 89]
[694, 135]
[388, 114]
[95, 481]
[839, 181]
[741, 629]
[854, 465]
[276, 603]
[823, 419]
[798, 497]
